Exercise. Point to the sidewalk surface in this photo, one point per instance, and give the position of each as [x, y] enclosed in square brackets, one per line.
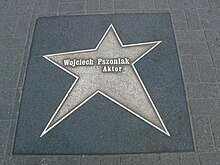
[197, 30]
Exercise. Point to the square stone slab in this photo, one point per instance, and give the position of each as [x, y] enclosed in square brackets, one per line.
[101, 126]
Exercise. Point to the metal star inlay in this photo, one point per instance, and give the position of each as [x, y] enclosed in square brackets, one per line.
[109, 70]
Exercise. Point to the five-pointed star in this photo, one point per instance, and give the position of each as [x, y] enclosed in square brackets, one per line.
[125, 88]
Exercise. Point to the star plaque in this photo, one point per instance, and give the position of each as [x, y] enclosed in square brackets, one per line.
[103, 84]
[109, 70]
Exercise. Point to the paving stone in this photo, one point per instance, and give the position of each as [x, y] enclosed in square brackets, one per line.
[178, 19]
[204, 106]
[7, 95]
[193, 20]
[161, 4]
[4, 5]
[40, 7]
[4, 128]
[214, 3]
[190, 36]
[90, 160]
[13, 160]
[2, 160]
[11, 136]
[206, 69]
[21, 7]
[210, 159]
[15, 110]
[92, 5]
[192, 48]
[189, 159]
[67, 160]
[72, 7]
[214, 48]
[5, 111]
[203, 134]
[110, 160]
[106, 5]
[169, 159]
[202, 3]
[15, 42]
[209, 23]
[215, 123]
[218, 74]
[212, 36]
[181, 4]
[140, 160]
[7, 25]
[148, 4]
[73, 1]
[127, 4]
[209, 13]
[203, 90]
[52, 7]
[30, 160]
[23, 25]
[190, 68]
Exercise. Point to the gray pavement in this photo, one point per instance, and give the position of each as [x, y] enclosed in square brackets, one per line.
[197, 31]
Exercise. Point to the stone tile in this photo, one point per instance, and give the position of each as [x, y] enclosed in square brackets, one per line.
[181, 4]
[161, 4]
[90, 160]
[15, 42]
[52, 7]
[190, 68]
[148, 4]
[15, 110]
[190, 36]
[202, 3]
[66, 160]
[204, 106]
[7, 95]
[218, 74]
[127, 4]
[11, 136]
[140, 160]
[209, 23]
[209, 13]
[40, 7]
[31, 160]
[49, 160]
[73, 1]
[12, 73]
[212, 36]
[192, 18]
[7, 25]
[5, 111]
[9, 54]
[106, 5]
[21, 7]
[23, 25]
[4, 128]
[210, 159]
[110, 160]
[206, 69]
[13, 160]
[189, 159]
[215, 123]
[192, 48]
[214, 47]
[72, 7]
[214, 3]
[203, 134]
[4, 5]
[92, 5]
[203, 90]
[169, 159]
[178, 19]
[2, 160]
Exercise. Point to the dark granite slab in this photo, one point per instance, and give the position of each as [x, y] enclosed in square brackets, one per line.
[100, 126]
